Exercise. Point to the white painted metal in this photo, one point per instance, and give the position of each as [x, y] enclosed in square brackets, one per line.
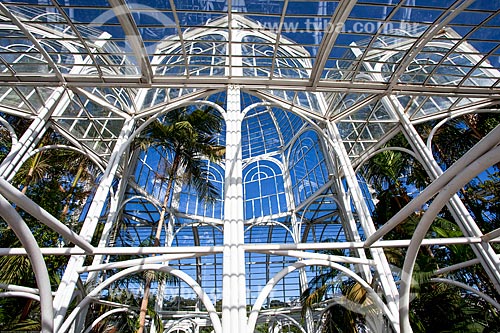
[99, 70]
[234, 279]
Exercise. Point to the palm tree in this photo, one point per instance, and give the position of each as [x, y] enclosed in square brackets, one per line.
[190, 137]
[348, 307]
[394, 175]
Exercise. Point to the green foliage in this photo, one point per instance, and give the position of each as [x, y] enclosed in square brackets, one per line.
[45, 179]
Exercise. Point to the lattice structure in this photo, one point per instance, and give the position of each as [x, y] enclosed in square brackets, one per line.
[309, 91]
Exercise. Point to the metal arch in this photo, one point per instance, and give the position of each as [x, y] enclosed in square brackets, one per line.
[183, 100]
[269, 223]
[133, 270]
[124, 16]
[12, 133]
[216, 106]
[21, 200]
[14, 287]
[102, 102]
[34, 40]
[381, 150]
[166, 107]
[470, 289]
[107, 314]
[488, 142]
[434, 130]
[320, 256]
[180, 320]
[151, 201]
[457, 182]
[463, 39]
[293, 321]
[451, 12]
[78, 150]
[143, 261]
[317, 195]
[254, 159]
[312, 262]
[186, 225]
[252, 106]
[335, 26]
[23, 233]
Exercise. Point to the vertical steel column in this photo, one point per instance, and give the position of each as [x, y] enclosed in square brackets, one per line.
[349, 222]
[233, 271]
[382, 267]
[66, 288]
[484, 252]
[111, 220]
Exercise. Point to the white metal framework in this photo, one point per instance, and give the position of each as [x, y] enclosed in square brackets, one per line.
[308, 90]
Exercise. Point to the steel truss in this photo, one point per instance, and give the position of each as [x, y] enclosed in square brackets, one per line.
[283, 104]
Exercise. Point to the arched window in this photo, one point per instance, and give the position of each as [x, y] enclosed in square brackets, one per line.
[307, 166]
[263, 189]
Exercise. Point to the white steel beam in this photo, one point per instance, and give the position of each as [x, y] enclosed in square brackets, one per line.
[68, 281]
[383, 269]
[23, 233]
[134, 38]
[468, 226]
[490, 265]
[333, 30]
[208, 250]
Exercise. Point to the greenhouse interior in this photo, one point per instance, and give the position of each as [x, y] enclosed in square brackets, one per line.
[269, 166]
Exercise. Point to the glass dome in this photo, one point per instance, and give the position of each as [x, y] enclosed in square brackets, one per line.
[360, 145]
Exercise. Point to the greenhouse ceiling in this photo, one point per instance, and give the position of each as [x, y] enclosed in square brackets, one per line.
[310, 95]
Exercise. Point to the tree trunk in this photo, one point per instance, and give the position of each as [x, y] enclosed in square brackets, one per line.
[159, 227]
[71, 191]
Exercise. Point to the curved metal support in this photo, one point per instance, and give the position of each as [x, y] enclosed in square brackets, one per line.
[462, 178]
[24, 234]
[135, 262]
[293, 321]
[252, 319]
[12, 133]
[434, 130]
[403, 150]
[19, 294]
[458, 7]
[320, 256]
[33, 40]
[78, 150]
[480, 148]
[41, 214]
[469, 288]
[176, 322]
[106, 314]
[124, 16]
[133, 270]
[270, 222]
[14, 287]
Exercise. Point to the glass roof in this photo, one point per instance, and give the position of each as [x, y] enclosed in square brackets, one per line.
[87, 68]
